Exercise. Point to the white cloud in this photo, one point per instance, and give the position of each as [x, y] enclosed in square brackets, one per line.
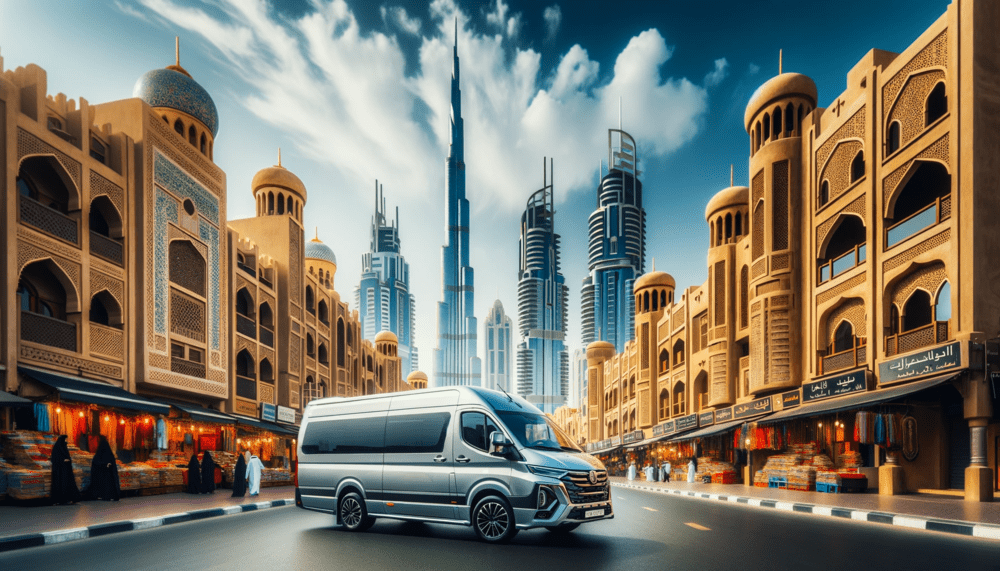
[720, 72]
[753, 68]
[498, 18]
[553, 18]
[514, 25]
[398, 16]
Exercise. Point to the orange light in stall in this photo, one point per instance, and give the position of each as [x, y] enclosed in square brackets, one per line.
[106, 418]
[147, 421]
[81, 414]
[122, 421]
[58, 409]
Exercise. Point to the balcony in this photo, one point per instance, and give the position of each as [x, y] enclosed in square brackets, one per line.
[246, 326]
[107, 248]
[49, 331]
[48, 220]
[930, 334]
[267, 336]
[848, 359]
[246, 387]
[838, 266]
[935, 213]
[185, 367]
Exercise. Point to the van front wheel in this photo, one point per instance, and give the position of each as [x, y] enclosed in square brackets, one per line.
[353, 514]
[493, 520]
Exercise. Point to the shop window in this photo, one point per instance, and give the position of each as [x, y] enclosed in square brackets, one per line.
[892, 138]
[937, 104]
[664, 404]
[843, 338]
[679, 403]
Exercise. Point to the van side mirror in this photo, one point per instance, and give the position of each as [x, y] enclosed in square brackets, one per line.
[499, 443]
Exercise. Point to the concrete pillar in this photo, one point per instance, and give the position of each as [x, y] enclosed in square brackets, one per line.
[978, 476]
[890, 477]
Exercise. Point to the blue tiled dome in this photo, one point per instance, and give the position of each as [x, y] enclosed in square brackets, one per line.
[320, 251]
[175, 89]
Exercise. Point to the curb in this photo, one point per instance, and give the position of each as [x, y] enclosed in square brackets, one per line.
[980, 530]
[13, 542]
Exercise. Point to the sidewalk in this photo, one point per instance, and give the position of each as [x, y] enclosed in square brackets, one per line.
[921, 511]
[42, 525]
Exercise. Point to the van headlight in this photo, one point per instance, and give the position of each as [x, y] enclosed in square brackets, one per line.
[549, 472]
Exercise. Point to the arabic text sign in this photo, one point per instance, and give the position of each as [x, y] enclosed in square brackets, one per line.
[921, 363]
[286, 414]
[706, 418]
[686, 422]
[631, 437]
[723, 414]
[791, 399]
[752, 408]
[850, 382]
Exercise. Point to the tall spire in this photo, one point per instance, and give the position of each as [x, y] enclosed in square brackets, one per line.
[177, 50]
[730, 175]
[779, 62]
[279, 157]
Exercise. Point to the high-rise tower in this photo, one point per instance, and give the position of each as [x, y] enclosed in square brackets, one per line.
[617, 252]
[498, 330]
[455, 359]
[542, 294]
[383, 296]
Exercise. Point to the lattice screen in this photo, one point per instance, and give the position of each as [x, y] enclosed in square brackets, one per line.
[779, 206]
[187, 316]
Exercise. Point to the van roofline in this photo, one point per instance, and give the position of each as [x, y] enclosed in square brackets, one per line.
[480, 394]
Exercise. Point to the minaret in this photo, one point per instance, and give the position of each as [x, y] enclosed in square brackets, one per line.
[455, 359]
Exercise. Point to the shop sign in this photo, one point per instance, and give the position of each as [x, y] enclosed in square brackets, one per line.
[686, 422]
[851, 382]
[267, 411]
[616, 441]
[659, 429]
[706, 418]
[286, 414]
[791, 399]
[631, 437]
[921, 363]
[723, 414]
[752, 408]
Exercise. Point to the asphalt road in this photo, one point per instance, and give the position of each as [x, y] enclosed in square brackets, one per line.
[650, 531]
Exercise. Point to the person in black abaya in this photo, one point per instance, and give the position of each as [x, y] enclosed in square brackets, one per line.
[240, 477]
[104, 483]
[207, 474]
[194, 476]
[64, 490]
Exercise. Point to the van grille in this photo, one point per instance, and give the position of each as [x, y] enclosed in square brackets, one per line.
[581, 491]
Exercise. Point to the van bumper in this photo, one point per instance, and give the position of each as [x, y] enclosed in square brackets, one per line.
[563, 515]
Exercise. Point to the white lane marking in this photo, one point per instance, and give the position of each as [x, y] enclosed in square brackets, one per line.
[987, 531]
[650, 509]
[621, 497]
[66, 535]
[907, 521]
[147, 523]
[696, 526]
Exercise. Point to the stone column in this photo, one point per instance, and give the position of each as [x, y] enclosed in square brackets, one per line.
[890, 476]
[978, 476]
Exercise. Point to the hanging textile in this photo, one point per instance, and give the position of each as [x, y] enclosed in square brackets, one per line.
[879, 430]
[41, 417]
[128, 436]
[109, 429]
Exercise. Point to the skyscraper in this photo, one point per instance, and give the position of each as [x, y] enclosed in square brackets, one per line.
[498, 330]
[455, 359]
[542, 359]
[383, 296]
[617, 252]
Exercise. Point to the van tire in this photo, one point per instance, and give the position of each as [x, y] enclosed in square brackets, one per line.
[353, 514]
[493, 520]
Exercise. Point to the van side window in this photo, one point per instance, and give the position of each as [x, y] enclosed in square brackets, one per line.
[345, 436]
[417, 433]
[476, 430]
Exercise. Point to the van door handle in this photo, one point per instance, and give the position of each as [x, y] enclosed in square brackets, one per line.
[463, 459]
[439, 458]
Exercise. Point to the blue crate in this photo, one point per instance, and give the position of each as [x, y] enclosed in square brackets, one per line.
[776, 482]
[827, 488]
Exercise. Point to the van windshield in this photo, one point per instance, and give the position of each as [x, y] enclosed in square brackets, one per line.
[537, 431]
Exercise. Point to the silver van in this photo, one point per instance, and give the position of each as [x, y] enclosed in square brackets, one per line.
[461, 455]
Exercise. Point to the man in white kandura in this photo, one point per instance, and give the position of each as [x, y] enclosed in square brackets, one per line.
[254, 467]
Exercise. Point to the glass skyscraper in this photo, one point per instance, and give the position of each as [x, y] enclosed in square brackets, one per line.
[497, 337]
[617, 251]
[455, 358]
[542, 294]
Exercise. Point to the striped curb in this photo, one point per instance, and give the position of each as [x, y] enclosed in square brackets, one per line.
[981, 530]
[10, 543]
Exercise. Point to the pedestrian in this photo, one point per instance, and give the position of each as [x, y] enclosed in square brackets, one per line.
[254, 466]
[194, 475]
[64, 490]
[691, 471]
[648, 470]
[665, 470]
[240, 477]
[631, 471]
[104, 482]
[207, 474]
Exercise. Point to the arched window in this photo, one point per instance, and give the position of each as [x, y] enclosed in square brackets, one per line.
[824, 193]
[244, 303]
[843, 337]
[104, 310]
[350, 335]
[744, 295]
[179, 127]
[310, 300]
[324, 312]
[738, 231]
[729, 227]
[203, 146]
[187, 267]
[937, 104]
[270, 203]
[701, 392]
[777, 123]
[664, 361]
[892, 138]
[664, 404]
[266, 371]
[893, 319]
[310, 345]
[192, 136]
[942, 308]
[291, 207]
[266, 315]
[767, 126]
[663, 298]
[46, 181]
[917, 311]
[322, 389]
[40, 291]
[322, 355]
[281, 203]
[790, 119]
[759, 135]
[631, 421]
[631, 388]
[656, 301]
[845, 248]
[923, 201]
[679, 352]
[645, 302]
[309, 391]
[858, 166]
[104, 218]
[679, 403]
[718, 231]
[245, 365]
[340, 342]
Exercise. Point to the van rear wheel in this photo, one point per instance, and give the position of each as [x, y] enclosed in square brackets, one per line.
[353, 513]
[493, 520]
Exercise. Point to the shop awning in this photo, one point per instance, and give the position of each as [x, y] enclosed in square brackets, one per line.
[605, 450]
[202, 414]
[857, 400]
[95, 392]
[264, 425]
[289, 427]
[714, 429]
[7, 399]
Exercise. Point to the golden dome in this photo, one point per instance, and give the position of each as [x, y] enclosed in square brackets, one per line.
[416, 376]
[280, 177]
[726, 198]
[781, 85]
[600, 349]
[386, 336]
[654, 278]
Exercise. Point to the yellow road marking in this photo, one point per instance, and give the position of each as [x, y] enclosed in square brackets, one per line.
[650, 509]
[696, 526]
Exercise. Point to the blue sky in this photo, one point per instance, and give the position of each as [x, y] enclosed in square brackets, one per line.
[357, 91]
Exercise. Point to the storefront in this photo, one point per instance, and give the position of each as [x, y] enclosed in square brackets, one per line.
[274, 444]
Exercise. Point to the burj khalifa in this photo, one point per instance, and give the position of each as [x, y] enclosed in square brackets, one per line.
[455, 358]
